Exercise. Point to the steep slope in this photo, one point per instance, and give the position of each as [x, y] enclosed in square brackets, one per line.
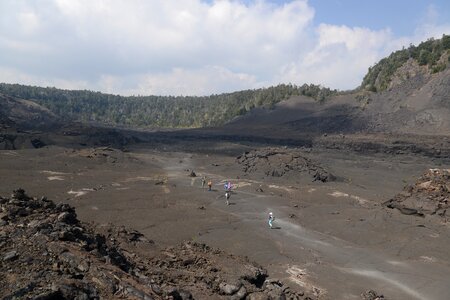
[303, 115]
[24, 114]
[420, 105]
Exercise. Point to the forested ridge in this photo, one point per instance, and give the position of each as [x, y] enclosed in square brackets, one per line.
[434, 53]
[158, 111]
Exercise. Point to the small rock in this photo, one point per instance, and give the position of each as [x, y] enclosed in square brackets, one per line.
[156, 288]
[10, 255]
[240, 294]
[34, 223]
[372, 295]
[258, 296]
[185, 295]
[20, 194]
[67, 217]
[49, 295]
[228, 289]
[4, 216]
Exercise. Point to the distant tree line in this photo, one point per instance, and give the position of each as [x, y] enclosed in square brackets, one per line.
[426, 53]
[159, 111]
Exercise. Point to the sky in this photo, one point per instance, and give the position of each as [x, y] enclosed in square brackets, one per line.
[203, 47]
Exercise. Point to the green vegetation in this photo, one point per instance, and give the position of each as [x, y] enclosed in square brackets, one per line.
[158, 111]
[427, 53]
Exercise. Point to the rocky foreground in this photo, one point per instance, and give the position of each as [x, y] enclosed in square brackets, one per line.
[47, 253]
[430, 195]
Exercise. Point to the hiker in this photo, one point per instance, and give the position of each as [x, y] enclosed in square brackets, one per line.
[209, 185]
[271, 219]
[227, 196]
[203, 181]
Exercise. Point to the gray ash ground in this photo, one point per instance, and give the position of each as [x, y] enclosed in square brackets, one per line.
[47, 253]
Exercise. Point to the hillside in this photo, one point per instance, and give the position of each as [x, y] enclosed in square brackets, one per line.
[24, 114]
[158, 111]
[418, 106]
[429, 57]
[407, 92]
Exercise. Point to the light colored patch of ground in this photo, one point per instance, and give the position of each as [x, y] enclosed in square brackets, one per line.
[115, 184]
[239, 183]
[12, 153]
[122, 188]
[300, 277]
[140, 178]
[274, 186]
[242, 184]
[311, 190]
[55, 178]
[157, 177]
[77, 193]
[53, 172]
[397, 263]
[338, 194]
[81, 192]
[428, 259]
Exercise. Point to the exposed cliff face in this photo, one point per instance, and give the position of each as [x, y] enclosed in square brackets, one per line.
[409, 70]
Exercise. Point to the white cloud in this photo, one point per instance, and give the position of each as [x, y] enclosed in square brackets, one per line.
[185, 47]
[11, 75]
[340, 58]
[204, 81]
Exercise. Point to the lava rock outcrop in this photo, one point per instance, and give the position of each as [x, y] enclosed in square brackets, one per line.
[281, 162]
[430, 195]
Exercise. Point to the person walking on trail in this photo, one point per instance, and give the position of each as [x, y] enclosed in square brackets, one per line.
[209, 185]
[203, 181]
[271, 219]
[227, 196]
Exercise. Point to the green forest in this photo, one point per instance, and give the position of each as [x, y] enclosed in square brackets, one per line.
[159, 111]
[426, 53]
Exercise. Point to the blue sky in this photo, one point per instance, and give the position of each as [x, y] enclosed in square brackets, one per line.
[198, 47]
[402, 16]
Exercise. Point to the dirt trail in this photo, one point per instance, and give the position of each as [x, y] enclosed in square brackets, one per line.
[340, 266]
